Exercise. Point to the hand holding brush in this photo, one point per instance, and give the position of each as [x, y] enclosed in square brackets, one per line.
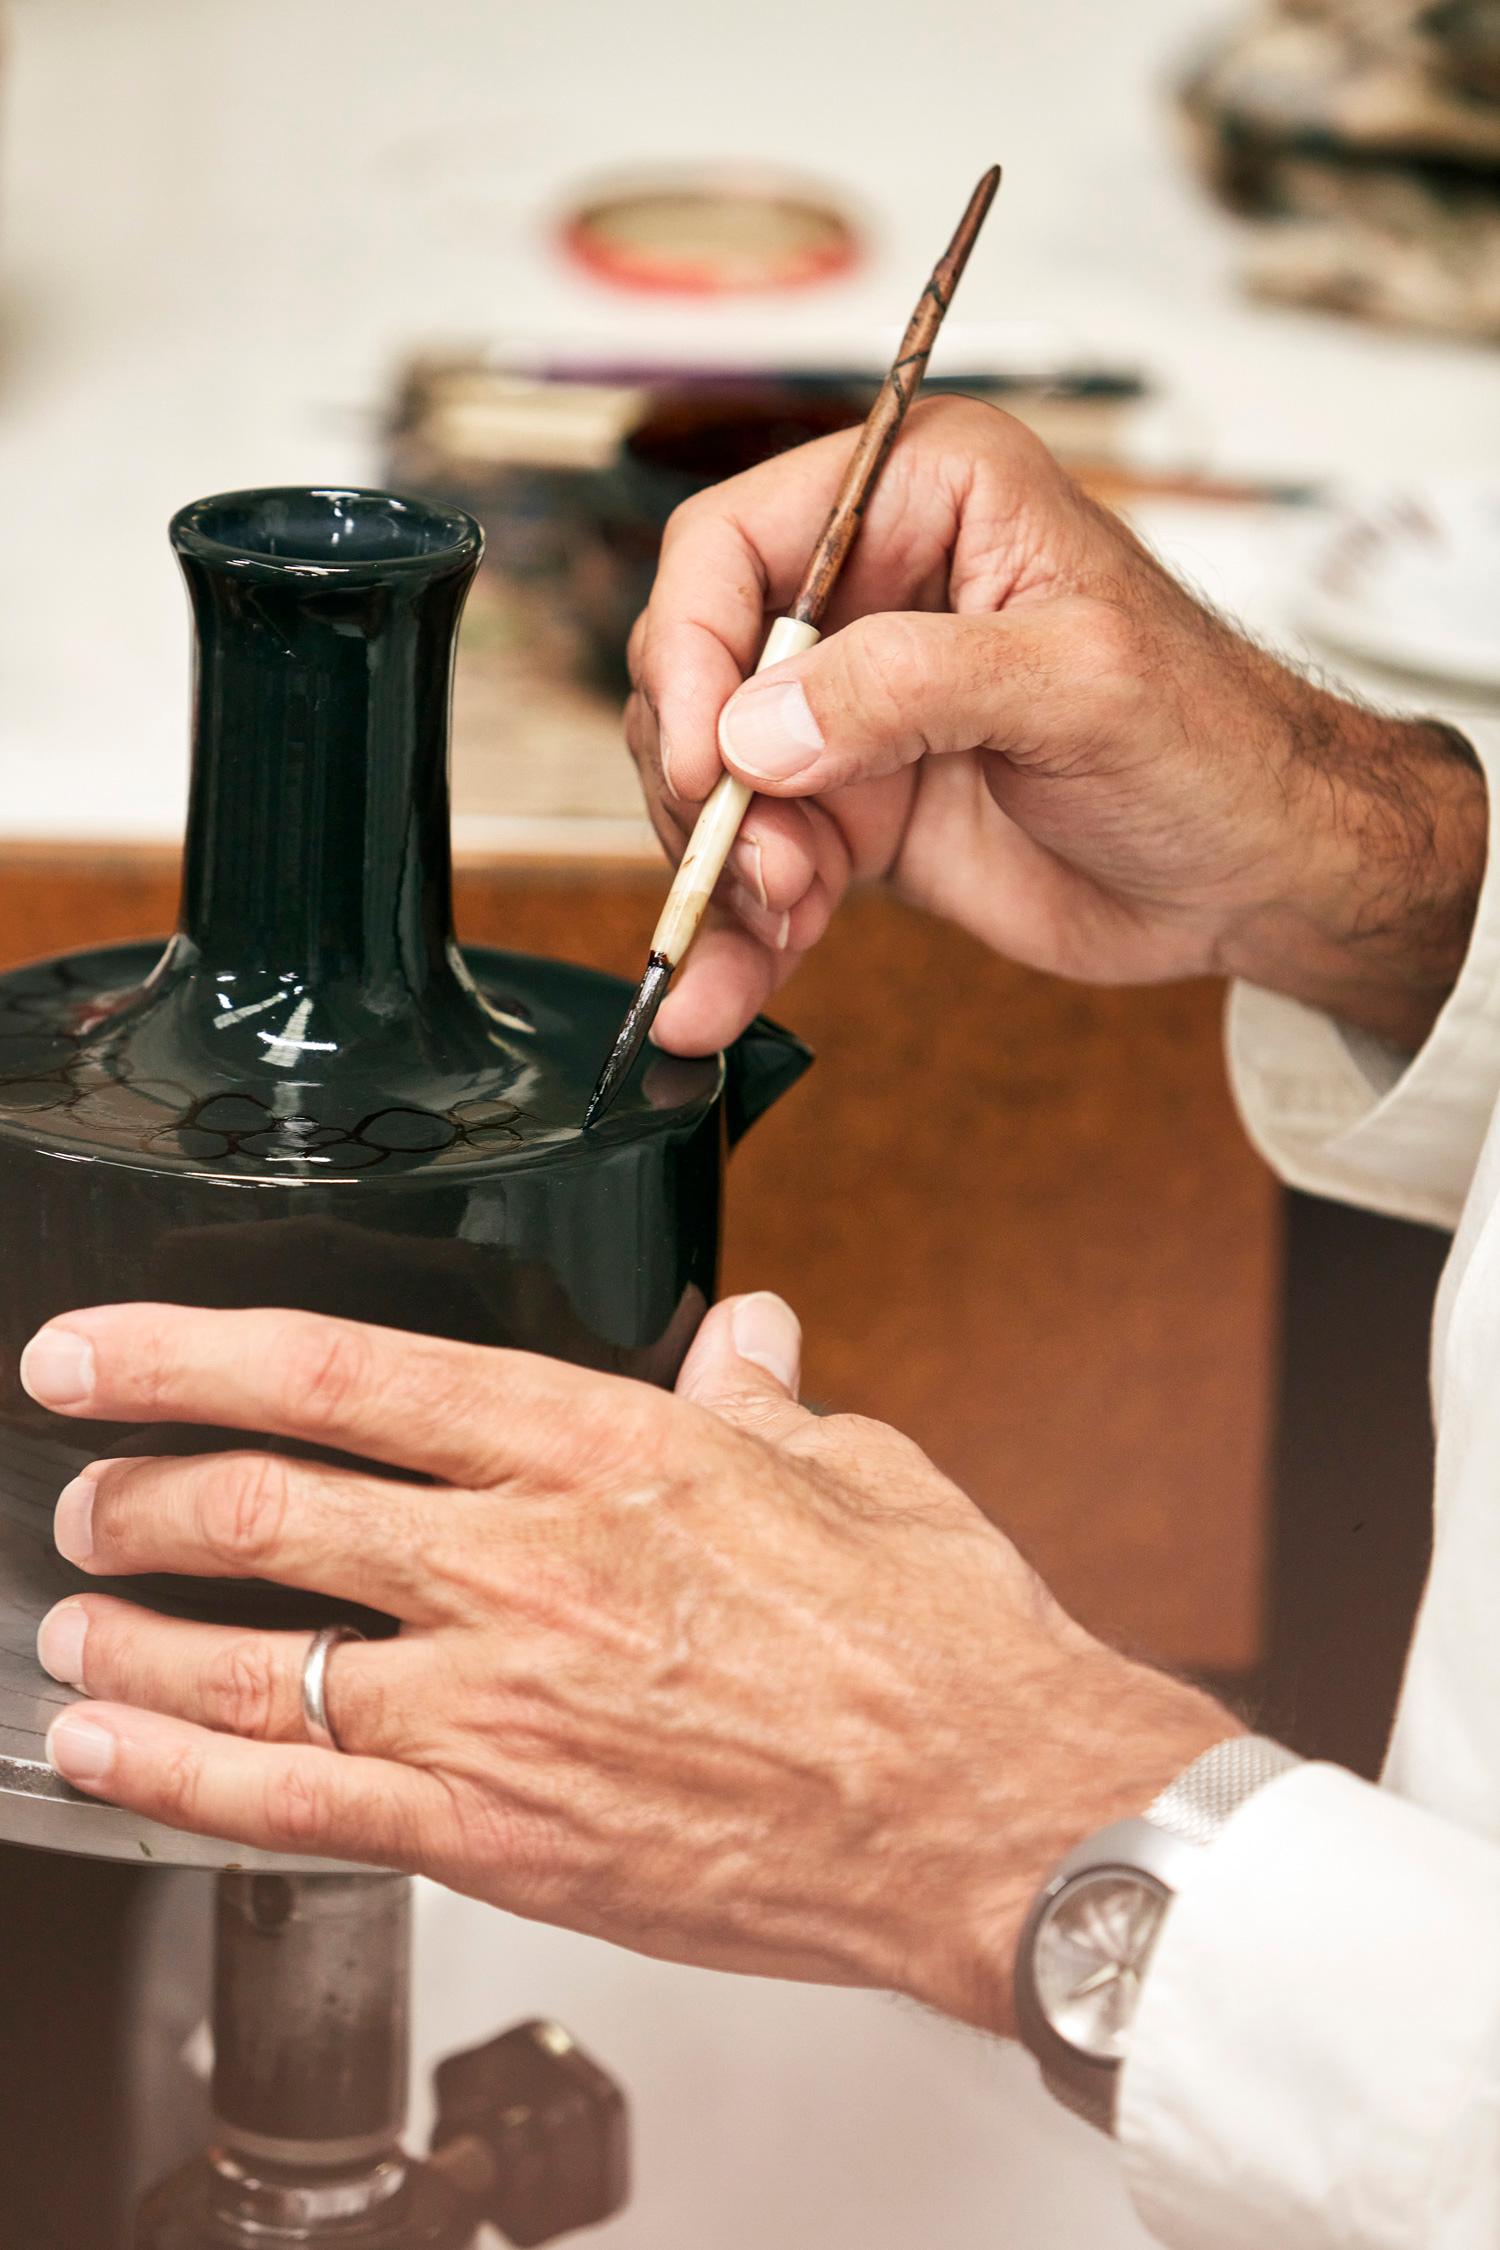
[718, 823]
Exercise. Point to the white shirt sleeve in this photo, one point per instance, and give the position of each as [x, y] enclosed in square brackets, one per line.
[1315, 2064]
[1316, 2060]
[1339, 1113]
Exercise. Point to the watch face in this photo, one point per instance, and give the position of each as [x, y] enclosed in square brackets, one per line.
[1090, 1955]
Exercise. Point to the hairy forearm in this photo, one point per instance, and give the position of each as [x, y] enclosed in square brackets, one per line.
[1388, 825]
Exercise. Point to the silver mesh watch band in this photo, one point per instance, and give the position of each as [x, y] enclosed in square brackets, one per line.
[1196, 1805]
[1162, 1844]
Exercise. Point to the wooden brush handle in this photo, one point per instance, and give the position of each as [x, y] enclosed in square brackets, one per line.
[888, 413]
[718, 823]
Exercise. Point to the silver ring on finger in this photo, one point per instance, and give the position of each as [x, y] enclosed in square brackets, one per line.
[315, 1683]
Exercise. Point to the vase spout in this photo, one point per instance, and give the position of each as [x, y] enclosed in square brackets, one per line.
[764, 1063]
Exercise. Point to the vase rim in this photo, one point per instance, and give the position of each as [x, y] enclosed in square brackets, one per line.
[344, 534]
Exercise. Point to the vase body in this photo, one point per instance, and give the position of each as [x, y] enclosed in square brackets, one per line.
[309, 1097]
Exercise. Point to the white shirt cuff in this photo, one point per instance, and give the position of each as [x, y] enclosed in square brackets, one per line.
[1340, 1114]
[1316, 2058]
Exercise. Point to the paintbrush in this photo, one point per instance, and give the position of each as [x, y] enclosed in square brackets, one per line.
[718, 823]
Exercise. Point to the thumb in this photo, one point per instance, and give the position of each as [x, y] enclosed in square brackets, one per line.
[745, 1364]
[887, 690]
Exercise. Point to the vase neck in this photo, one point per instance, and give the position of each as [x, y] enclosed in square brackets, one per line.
[317, 850]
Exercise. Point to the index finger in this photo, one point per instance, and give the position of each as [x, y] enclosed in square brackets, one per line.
[463, 1412]
[727, 557]
[737, 551]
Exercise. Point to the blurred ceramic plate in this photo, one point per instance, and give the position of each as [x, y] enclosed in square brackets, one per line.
[1411, 579]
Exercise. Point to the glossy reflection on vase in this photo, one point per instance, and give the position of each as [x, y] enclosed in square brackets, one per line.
[310, 1097]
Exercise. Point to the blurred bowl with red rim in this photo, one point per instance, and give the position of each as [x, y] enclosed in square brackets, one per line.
[710, 231]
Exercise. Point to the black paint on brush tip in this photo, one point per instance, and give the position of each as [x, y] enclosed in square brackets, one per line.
[639, 1017]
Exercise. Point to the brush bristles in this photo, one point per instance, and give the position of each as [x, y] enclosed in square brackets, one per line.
[639, 1018]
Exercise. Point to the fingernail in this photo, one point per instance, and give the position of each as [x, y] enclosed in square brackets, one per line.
[79, 1750]
[59, 1642]
[57, 1368]
[772, 929]
[73, 1519]
[747, 860]
[770, 732]
[768, 1333]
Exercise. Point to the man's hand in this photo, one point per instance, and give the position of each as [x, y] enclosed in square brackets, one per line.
[1024, 724]
[703, 1675]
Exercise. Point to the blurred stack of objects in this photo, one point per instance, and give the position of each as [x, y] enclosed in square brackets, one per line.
[1364, 137]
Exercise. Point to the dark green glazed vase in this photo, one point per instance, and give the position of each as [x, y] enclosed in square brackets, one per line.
[311, 1098]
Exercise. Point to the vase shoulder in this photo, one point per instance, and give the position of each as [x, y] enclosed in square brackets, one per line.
[112, 1055]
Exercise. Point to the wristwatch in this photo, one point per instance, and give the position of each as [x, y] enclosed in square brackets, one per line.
[1087, 1941]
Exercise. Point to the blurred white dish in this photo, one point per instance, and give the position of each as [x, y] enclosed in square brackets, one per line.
[1411, 578]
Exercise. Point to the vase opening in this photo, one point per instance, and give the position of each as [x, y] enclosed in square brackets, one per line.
[300, 531]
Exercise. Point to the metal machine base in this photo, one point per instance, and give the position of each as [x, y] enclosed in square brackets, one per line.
[310, 2030]
[309, 2096]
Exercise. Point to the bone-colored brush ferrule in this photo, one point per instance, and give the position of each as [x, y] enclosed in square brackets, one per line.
[718, 824]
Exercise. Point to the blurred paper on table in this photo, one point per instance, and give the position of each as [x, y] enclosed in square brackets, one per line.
[1410, 579]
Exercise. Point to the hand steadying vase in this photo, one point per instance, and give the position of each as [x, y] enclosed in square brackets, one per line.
[311, 1098]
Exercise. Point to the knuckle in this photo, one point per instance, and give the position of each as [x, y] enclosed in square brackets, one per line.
[240, 1689]
[625, 1442]
[297, 1811]
[451, 1384]
[608, 1436]
[688, 515]
[860, 1445]
[880, 1473]
[178, 1785]
[324, 1369]
[885, 669]
[692, 1447]
[954, 421]
[1024, 452]
[439, 1389]
[484, 1830]
[116, 1523]
[421, 1560]
[153, 1366]
[848, 1433]
[640, 1428]
[244, 1509]
[973, 425]
[756, 1413]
